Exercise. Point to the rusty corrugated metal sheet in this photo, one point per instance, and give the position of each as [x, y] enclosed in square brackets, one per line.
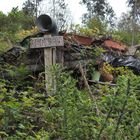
[82, 40]
[115, 45]
[88, 41]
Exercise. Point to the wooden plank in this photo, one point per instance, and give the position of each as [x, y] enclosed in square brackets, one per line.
[49, 60]
[46, 41]
[53, 63]
[48, 63]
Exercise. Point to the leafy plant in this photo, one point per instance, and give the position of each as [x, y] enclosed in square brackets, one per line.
[68, 113]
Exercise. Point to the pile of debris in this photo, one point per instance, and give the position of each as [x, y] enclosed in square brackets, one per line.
[76, 49]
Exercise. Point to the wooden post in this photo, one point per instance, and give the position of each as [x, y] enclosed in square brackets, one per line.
[49, 60]
[49, 44]
[48, 63]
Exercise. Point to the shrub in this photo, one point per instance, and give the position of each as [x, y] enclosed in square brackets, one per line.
[67, 113]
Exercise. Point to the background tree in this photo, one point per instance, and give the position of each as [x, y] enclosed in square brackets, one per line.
[135, 8]
[125, 23]
[14, 22]
[58, 9]
[135, 13]
[124, 28]
[3, 22]
[129, 33]
[19, 20]
[31, 7]
[96, 24]
[99, 9]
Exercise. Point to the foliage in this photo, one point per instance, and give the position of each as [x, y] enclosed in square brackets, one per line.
[126, 30]
[84, 30]
[3, 22]
[24, 33]
[92, 29]
[28, 112]
[58, 9]
[95, 23]
[18, 20]
[12, 23]
[126, 37]
[67, 113]
[4, 45]
[117, 71]
[135, 7]
[31, 7]
[99, 9]
[125, 23]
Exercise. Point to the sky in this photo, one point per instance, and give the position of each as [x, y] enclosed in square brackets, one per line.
[76, 9]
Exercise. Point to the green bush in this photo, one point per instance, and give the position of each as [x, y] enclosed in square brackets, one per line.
[68, 113]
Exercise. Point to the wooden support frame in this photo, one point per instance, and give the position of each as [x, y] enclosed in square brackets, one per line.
[49, 44]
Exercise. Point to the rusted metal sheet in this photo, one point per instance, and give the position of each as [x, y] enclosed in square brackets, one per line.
[47, 41]
[82, 40]
[99, 41]
[78, 39]
[115, 45]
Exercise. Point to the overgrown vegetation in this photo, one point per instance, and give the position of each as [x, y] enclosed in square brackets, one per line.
[26, 112]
